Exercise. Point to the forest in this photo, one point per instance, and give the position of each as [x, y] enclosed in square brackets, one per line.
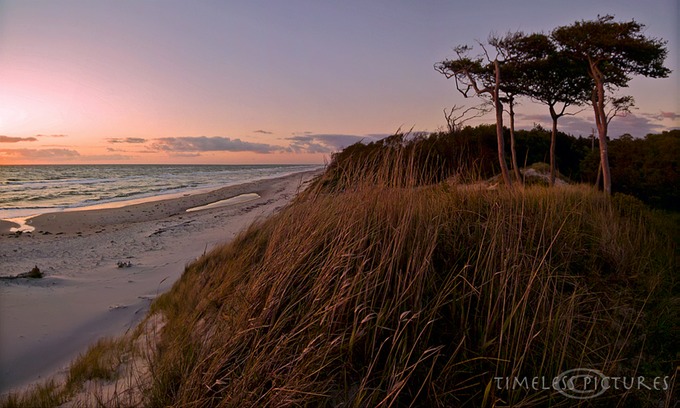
[646, 168]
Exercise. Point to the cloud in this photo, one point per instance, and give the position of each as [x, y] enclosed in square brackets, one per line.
[300, 143]
[59, 135]
[264, 132]
[666, 115]
[181, 154]
[574, 125]
[59, 154]
[210, 144]
[55, 145]
[326, 143]
[116, 151]
[126, 140]
[105, 157]
[637, 125]
[41, 153]
[9, 139]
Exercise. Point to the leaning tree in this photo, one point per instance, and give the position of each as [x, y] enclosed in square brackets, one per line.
[510, 88]
[520, 52]
[484, 78]
[611, 52]
[549, 76]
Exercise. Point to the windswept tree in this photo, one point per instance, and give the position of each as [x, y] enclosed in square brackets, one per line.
[509, 98]
[611, 52]
[509, 94]
[518, 50]
[484, 78]
[549, 76]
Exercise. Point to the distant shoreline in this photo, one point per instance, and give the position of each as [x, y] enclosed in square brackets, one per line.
[19, 213]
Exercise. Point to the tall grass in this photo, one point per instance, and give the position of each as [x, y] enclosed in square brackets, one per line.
[390, 293]
[45, 395]
[401, 160]
[378, 288]
[101, 362]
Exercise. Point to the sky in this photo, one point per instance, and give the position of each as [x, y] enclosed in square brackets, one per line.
[227, 82]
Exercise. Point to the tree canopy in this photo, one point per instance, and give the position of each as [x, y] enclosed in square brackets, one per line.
[612, 52]
[616, 50]
[585, 62]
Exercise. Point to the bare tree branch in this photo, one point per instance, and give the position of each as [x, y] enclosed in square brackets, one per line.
[620, 107]
[455, 123]
[574, 113]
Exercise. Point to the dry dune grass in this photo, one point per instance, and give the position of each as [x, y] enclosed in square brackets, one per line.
[393, 296]
[374, 290]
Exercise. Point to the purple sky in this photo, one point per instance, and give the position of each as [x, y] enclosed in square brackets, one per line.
[263, 82]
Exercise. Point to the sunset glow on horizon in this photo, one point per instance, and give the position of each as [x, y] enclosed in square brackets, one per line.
[85, 82]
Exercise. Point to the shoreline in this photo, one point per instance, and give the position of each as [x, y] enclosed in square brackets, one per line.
[18, 217]
[135, 210]
[45, 323]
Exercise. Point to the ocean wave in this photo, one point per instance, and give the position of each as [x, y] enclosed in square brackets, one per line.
[25, 187]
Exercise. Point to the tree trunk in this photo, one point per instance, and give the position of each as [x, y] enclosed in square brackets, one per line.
[499, 126]
[604, 158]
[553, 142]
[513, 153]
[601, 122]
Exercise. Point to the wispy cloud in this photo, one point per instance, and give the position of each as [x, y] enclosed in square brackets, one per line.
[264, 132]
[60, 155]
[210, 144]
[184, 154]
[126, 140]
[635, 124]
[664, 115]
[574, 125]
[105, 157]
[326, 143]
[57, 135]
[10, 139]
[41, 153]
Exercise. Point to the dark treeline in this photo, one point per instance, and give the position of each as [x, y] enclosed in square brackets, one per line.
[646, 168]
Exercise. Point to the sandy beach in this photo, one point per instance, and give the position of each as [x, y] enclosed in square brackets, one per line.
[85, 295]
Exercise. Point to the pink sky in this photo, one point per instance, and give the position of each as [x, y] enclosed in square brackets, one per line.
[264, 82]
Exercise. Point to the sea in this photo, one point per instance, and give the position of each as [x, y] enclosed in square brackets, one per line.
[28, 190]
